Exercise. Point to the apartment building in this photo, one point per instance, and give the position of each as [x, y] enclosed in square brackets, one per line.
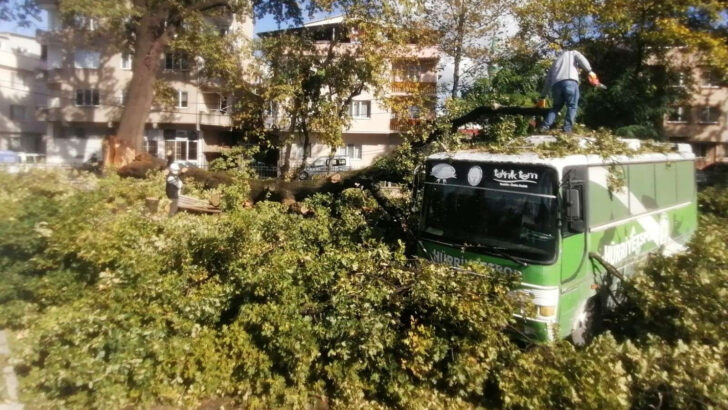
[374, 130]
[702, 119]
[22, 92]
[86, 85]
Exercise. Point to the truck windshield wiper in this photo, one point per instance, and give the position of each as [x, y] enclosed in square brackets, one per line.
[497, 251]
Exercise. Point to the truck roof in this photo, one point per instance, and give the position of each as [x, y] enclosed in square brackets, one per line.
[682, 152]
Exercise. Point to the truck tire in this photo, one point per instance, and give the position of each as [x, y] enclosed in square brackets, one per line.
[303, 176]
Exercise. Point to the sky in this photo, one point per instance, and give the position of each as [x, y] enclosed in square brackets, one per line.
[265, 24]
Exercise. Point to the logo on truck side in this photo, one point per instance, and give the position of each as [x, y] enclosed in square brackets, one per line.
[442, 257]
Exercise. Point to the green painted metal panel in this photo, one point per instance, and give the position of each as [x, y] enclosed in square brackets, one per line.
[642, 186]
[605, 206]
[666, 183]
[685, 181]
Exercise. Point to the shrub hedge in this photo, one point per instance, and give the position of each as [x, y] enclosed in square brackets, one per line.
[262, 307]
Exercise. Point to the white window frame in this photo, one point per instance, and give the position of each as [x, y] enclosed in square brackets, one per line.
[683, 113]
[412, 73]
[711, 75]
[179, 61]
[222, 106]
[147, 143]
[122, 97]
[180, 100]
[354, 151]
[126, 61]
[355, 109]
[182, 138]
[91, 97]
[87, 59]
[709, 108]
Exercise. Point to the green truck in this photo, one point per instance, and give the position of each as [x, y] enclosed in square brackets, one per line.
[558, 222]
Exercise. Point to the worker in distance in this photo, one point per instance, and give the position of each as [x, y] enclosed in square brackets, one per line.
[563, 83]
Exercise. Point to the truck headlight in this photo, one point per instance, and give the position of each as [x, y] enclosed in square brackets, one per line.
[545, 298]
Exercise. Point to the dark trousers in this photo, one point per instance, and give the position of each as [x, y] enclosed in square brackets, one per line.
[174, 206]
[564, 93]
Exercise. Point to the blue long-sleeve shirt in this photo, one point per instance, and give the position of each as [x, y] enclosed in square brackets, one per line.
[565, 68]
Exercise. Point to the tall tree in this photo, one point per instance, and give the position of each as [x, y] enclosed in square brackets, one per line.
[469, 29]
[307, 85]
[148, 28]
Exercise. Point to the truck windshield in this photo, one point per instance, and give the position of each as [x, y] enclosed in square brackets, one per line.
[517, 217]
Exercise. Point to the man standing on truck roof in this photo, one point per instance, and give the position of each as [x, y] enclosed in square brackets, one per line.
[563, 82]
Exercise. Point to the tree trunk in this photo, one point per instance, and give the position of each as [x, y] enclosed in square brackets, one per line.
[458, 55]
[146, 64]
[286, 160]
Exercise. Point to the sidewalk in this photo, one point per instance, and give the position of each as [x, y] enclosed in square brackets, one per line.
[8, 381]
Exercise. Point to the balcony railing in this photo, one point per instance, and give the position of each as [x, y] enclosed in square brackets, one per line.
[215, 118]
[404, 124]
[412, 87]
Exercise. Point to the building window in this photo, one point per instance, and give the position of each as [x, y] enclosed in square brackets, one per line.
[86, 59]
[126, 61]
[223, 107]
[681, 78]
[709, 78]
[122, 97]
[679, 114]
[43, 53]
[182, 146]
[413, 73]
[175, 61]
[353, 151]
[17, 112]
[709, 115]
[87, 97]
[151, 146]
[19, 80]
[360, 109]
[414, 112]
[73, 132]
[182, 99]
[84, 22]
[700, 149]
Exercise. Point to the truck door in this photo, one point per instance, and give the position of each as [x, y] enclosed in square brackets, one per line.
[574, 260]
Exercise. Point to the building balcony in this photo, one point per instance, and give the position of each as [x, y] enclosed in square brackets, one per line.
[413, 87]
[403, 124]
[211, 84]
[48, 37]
[215, 119]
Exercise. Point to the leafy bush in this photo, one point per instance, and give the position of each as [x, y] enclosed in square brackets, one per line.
[263, 307]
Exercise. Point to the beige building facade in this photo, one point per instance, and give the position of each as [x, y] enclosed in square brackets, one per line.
[702, 120]
[374, 130]
[86, 86]
[22, 93]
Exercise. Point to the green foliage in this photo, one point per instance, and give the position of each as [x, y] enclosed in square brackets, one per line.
[559, 376]
[236, 161]
[118, 307]
[714, 200]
